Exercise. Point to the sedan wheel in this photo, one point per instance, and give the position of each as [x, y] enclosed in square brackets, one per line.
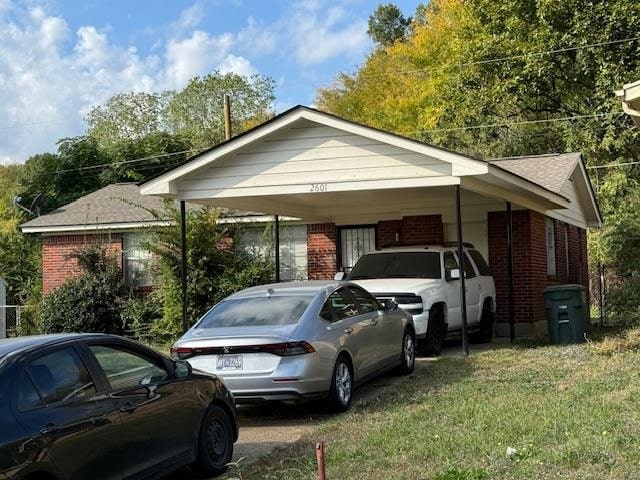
[215, 445]
[341, 386]
[408, 356]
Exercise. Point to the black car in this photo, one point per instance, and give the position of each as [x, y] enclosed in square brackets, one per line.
[93, 406]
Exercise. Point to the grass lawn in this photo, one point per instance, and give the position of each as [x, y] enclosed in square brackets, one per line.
[569, 412]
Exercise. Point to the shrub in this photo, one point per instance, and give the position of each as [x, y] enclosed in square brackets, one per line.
[623, 303]
[139, 317]
[91, 302]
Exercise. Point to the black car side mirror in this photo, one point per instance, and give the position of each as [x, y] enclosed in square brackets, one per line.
[390, 305]
[182, 369]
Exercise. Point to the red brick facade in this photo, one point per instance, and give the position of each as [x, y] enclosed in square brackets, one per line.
[56, 264]
[530, 261]
[421, 229]
[321, 251]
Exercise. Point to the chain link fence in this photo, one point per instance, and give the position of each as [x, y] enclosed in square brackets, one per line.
[17, 320]
[604, 281]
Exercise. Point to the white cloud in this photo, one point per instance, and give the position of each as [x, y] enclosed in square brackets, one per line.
[235, 64]
[189, 19]
[196, 55]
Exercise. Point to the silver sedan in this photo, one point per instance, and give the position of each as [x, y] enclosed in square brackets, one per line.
[299, 341]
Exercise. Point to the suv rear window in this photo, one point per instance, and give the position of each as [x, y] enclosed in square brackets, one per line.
[481, 264]
[397, 265]
[256, 311]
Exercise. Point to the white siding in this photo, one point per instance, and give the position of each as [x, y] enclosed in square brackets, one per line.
[293, 248]
[573, 215]
[311, 154]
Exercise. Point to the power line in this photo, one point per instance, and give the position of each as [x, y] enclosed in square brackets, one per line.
[611, 165]
[523, 122]
[506, 58]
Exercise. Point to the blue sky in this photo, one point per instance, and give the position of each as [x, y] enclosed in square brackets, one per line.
[58, 58]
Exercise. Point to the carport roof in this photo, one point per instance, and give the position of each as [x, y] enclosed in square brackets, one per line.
[222, 175]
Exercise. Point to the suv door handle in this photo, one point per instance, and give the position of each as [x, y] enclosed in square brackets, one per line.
[374, 321]
[348, 330]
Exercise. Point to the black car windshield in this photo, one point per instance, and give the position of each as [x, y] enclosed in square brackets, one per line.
[256, 311]
[397, 265]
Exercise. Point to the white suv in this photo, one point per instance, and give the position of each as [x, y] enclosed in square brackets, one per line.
[425, 281]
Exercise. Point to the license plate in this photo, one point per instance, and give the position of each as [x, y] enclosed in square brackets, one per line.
[229, 362]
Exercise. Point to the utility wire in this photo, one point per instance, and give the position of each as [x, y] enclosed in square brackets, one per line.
[611, 165]
[523, 122]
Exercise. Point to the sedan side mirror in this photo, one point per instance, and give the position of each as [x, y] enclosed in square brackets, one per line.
[454, 274]
[339, 276]
[182, 369]
[390, 305]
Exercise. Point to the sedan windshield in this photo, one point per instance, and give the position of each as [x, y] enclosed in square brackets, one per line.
[256, 311]
[397, 265]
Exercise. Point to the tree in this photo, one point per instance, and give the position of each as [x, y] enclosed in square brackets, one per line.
[20, 259]
[126, 117]
[196, 111]
[216, 268]
[388, 25]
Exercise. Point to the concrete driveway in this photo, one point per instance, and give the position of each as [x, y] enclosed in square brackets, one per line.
[266, 427]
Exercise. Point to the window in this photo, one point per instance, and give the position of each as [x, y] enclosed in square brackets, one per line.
[481, 264]
[293, 248]
[367, 302]
[469, 272]
[397, 265]
[61, 376]
[551, 246]
[339, 305]
[354, 243]
[137, 260]
[450, 263]
[256, 311]
[27, 397]
[125, 369]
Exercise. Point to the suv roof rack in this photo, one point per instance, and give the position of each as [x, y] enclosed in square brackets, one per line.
[403, 245]
[455, 244]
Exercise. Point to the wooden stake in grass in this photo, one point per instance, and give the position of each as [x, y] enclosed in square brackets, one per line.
[320, 459]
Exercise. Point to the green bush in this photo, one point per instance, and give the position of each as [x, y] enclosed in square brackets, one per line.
[140, 316]
[623, 303]
[91, 302]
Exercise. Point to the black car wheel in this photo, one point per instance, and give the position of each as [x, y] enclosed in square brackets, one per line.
[341, 385]
[215, 444]
[408, 354]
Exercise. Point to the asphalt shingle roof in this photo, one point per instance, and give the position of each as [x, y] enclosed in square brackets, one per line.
[549, 171]
[115, 203]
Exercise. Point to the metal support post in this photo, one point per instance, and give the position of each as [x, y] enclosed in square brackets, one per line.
[512, 310]
[183, 263]
[463, 292]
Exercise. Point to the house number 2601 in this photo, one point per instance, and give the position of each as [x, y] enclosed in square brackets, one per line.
[318, 187]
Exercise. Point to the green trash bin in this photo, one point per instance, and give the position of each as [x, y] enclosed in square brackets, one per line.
[567, 313]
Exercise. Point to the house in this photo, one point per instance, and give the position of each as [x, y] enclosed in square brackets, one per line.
[118, 215]
[344, 189]
[630, 98]
[356, 188]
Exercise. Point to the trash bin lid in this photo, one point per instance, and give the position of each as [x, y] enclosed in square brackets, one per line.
[568, 286]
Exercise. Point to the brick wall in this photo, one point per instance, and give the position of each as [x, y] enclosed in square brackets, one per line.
[321, 251]
[56, 264]
[411, 230]
[530, 262]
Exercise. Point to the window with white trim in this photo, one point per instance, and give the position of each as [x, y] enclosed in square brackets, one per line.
[136, 261]
[551, 246]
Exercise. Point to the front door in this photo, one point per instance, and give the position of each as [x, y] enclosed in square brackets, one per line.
[159, 424]
[356, 330]
[388, 337]
[71, 423]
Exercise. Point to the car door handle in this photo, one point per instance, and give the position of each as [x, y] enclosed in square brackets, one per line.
[128, 408]
[374, 321]
[49, 429]
[348, 330]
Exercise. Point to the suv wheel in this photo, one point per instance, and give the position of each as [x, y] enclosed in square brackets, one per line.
[436, 331]
[485, 330]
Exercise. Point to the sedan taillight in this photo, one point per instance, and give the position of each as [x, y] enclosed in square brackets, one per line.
[285, 349]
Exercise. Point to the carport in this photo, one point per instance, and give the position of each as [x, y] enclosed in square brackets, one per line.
[326, 170]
